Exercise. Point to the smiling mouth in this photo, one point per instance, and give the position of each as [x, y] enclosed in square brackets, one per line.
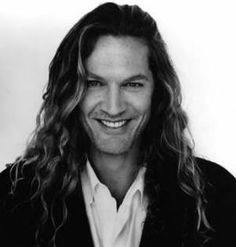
[113, 124]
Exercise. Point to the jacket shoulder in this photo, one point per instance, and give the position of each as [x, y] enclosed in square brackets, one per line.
[220, 184]
[220, 192]
[216, 175]
[11, 175]
[5, 182]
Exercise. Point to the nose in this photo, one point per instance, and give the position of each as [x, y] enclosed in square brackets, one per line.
[113, 103]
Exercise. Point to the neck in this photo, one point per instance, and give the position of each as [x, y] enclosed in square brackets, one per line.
[117, 172]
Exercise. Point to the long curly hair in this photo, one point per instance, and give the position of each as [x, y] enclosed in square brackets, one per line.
[58, 148]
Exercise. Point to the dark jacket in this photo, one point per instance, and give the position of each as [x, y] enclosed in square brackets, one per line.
[17, 227]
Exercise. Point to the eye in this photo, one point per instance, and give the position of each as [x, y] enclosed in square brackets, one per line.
[133, 84]
[94, 83]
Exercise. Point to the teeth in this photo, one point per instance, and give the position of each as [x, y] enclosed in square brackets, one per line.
[117, 124]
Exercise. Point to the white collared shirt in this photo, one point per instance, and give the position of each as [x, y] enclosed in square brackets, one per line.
[109, 227]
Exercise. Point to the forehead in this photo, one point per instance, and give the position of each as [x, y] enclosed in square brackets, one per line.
[119, 56]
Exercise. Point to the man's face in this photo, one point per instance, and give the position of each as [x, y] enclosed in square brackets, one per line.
[117, 104]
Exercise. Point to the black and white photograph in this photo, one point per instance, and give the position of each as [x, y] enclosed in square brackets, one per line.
[117, 123]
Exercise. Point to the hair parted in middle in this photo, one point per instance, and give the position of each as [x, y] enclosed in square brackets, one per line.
[59, 146]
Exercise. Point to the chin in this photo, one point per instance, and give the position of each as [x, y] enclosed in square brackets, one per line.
[114, 148]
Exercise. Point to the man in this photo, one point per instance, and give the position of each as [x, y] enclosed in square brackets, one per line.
[109, 164]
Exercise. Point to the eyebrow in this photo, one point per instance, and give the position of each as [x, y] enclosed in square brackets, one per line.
[131, 78]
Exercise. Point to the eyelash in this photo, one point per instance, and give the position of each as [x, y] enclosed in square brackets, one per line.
[91, 83]
[134, 84]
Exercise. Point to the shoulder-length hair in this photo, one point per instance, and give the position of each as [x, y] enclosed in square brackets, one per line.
[57, 151]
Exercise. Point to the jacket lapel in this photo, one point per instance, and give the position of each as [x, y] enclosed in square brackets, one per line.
[76, 231]
[169, 212]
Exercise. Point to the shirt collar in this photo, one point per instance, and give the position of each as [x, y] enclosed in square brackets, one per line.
[92, 179]
[139, 183]
[94, 182]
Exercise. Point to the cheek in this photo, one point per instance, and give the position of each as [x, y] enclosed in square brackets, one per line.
[88, 104]
[84, 107]
[142, 104]
[144, 99]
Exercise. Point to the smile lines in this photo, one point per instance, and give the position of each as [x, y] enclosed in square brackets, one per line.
[113, 124]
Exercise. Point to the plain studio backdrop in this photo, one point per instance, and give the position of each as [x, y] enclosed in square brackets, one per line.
[201, 40]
